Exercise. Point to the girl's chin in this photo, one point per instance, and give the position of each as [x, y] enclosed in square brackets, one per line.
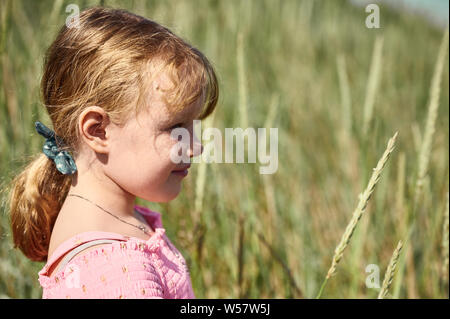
[168, 196]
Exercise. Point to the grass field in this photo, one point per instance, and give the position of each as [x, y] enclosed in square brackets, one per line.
[337, 92]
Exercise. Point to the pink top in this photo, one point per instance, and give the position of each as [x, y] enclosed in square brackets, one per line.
[128, 268]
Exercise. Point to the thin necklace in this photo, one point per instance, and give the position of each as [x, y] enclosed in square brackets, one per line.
[141, 227]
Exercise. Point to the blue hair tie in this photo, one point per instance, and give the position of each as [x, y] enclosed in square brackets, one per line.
[62, 159]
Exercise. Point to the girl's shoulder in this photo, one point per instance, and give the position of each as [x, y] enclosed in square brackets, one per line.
[118, 242]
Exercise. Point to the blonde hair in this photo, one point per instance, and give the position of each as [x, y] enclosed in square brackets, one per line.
[105, 62]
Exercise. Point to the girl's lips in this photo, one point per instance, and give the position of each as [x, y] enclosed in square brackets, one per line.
[180, 173]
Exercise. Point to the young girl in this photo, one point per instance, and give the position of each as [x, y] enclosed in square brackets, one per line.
[114, 87]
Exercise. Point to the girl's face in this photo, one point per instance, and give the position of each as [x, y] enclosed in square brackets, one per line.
[139, 159]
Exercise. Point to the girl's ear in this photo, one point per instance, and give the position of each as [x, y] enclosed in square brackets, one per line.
[93, 125]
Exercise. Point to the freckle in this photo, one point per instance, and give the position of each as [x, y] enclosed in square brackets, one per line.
[84, 288]
[102, 278]
[56, 279]
[143, 291]
[67, 297]
[124, 269]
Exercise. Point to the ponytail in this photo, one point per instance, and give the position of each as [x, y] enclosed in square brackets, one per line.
[35, 199]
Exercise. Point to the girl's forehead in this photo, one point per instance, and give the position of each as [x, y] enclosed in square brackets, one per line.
[160, 83]
[159, 112]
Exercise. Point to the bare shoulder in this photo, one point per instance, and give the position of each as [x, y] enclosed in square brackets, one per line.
[64, 229]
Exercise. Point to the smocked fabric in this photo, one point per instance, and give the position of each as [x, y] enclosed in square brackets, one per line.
[129, 268]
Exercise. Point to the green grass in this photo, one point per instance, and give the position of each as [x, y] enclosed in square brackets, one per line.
[275, 237]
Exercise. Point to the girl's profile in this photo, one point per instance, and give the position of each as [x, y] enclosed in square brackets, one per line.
[114, 87]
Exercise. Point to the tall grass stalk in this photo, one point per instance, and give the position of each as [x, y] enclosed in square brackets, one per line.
[287, 270]
[445, 248]
[433, 105]
[390, 272]
[201, 175]
[242, 81]
[4, 16]
[372, 84]
[345, 132]
[11, 98]
[357, 214]
[240, 255]
[402, 262]
[346, 101]
[416, 135]
[267, 179]
[272, 113]
[56, 10]
[400, 193]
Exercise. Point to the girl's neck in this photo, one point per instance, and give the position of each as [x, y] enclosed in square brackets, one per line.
[102, 191]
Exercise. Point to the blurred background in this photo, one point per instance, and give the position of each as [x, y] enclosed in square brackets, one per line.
[336, 90]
